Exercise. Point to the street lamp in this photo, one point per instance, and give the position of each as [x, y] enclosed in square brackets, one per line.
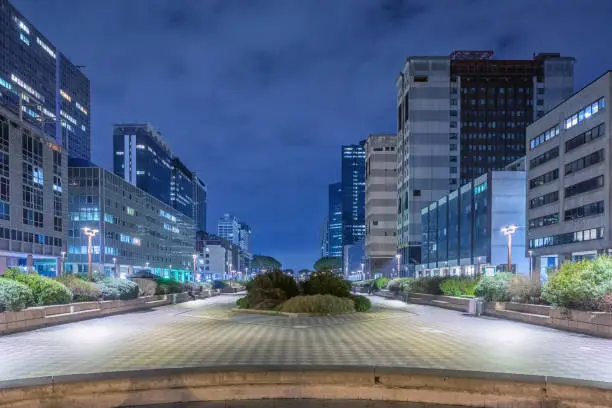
[63, 253]
[362, 272]
[508, 231]
[194, 256]
[398, 257]
[90, 232]
[115, 267]
[530, 252]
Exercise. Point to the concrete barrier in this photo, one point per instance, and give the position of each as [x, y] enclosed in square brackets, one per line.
[244, 383]
[37, 317]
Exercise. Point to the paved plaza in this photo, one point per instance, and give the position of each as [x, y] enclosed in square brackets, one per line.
[207, 333]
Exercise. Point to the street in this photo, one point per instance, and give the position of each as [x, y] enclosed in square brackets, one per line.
[207, 333]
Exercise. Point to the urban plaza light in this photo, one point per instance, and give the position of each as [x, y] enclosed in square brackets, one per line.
[508, 231]
[90, 232]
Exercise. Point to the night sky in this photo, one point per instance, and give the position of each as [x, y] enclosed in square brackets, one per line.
[258, 96]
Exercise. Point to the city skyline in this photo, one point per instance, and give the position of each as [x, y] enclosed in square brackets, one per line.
[244, 184]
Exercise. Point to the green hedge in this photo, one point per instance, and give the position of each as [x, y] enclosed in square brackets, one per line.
[114, 288]
[458, 286]
[82, 291]
[318, 304]
[494, 288]
[399, 284]
[326, 283]
[362, 303]
[428, 285]
[242, 303]
[270, 289]
[14, 296]
[46, 291]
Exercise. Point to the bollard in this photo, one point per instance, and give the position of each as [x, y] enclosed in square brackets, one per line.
[174, 298]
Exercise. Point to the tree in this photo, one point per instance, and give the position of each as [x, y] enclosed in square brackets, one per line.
[268, 263]
[328, 263]
[304, 272]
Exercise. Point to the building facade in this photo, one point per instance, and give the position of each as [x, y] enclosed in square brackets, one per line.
[381, 204]
[228, 228]
[334, 225]
[461, 231]
[215, 256]
[136, 230]
[323, 238]
[33, 197]
[353, 193]
[461, 116]
[182, 188]
[200, 192]
[40, 83]
[568, 197]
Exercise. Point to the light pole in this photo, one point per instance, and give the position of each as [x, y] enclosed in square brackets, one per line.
[63, 253]
[194, 256]
[530, 252]
[90, 232]
[362, 272]
[508, 231]
[399, 258]
[115, 267]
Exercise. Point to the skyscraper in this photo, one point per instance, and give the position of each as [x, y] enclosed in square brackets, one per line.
[40, 84]
[460, 116]
[143, 159]
[334, 225]
[244, 237]
[181, 188]
[199, 203]
[353, 193]
[229, 228]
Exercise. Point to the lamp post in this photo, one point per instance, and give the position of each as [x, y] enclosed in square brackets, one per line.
[90, 232]
[63, 264]
[508, 231]
[115, 267]
[530, 252]
[362, 271]
[399, 258]
[194, 256]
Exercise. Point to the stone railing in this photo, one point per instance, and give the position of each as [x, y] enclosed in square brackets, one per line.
[287, 385]
[36, 317]
[593, 323]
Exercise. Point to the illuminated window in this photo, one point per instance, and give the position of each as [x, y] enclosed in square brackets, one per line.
[129, 210]
[585, 113]
[24, 38]
[45, 47]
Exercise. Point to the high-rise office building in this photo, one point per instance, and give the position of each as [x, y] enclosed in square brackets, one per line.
[228, 228]
[199, 203]
[40, 83]
[460, 116]
[143, 159]
[381, 205]
[244, 233]
[182, 188]
[568, 179]
[353, 193]
[33, 197]
[324, 240]
[334, 225]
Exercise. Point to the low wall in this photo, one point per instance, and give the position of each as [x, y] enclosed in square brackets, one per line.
[36, 317]
[247, 383]
[447, 302]
[593, 323]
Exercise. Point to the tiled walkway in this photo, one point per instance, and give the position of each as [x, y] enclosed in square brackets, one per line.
[205, 332]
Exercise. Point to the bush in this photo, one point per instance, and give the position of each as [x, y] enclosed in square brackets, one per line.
[242, 303]
[125, 289]
[46, 291]
[362, 303]
[428, 285]
[494, 288]
[218, 284]
[271, 289]
[521, 289]
[107, 292]
[82, 291]
[399, 284]
[146, 286]
[580, 285]
[380, 283]
[326, 283]
[318, 304]
[14, 296]
[205, 286]
[166, 286]
[458, 286]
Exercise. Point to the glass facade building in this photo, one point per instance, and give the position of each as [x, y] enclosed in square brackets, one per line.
[182, 188]
[33, 197]
[353, 193]
[136, 230]
[40, 83]
[200, 192]
[228, 228]
[461, 232]
[334, 223]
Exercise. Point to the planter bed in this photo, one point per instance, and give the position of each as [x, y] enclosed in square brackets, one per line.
[446, 302]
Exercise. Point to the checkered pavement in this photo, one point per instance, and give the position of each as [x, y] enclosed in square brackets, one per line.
[207, 333]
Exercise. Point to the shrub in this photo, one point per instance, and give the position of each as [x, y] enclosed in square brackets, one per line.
[271, 289]
[46, 291]
[14, 296]
[362, 303]
[218, 284]
[205, 286]
[398, 284]
[326, 283]
[494, 288]
[523, 290]
[580, 285]
[458, 286]
[82, 291]
[166, 286]
[108, 292]
[146, 286]
[428, 285]
[318, 304]
[381, 283]
[242, 303]
[125, 289]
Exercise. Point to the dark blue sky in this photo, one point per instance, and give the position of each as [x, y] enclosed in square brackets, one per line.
[258, 96]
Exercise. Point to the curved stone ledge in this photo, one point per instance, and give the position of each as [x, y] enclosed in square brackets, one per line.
[167, 386]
